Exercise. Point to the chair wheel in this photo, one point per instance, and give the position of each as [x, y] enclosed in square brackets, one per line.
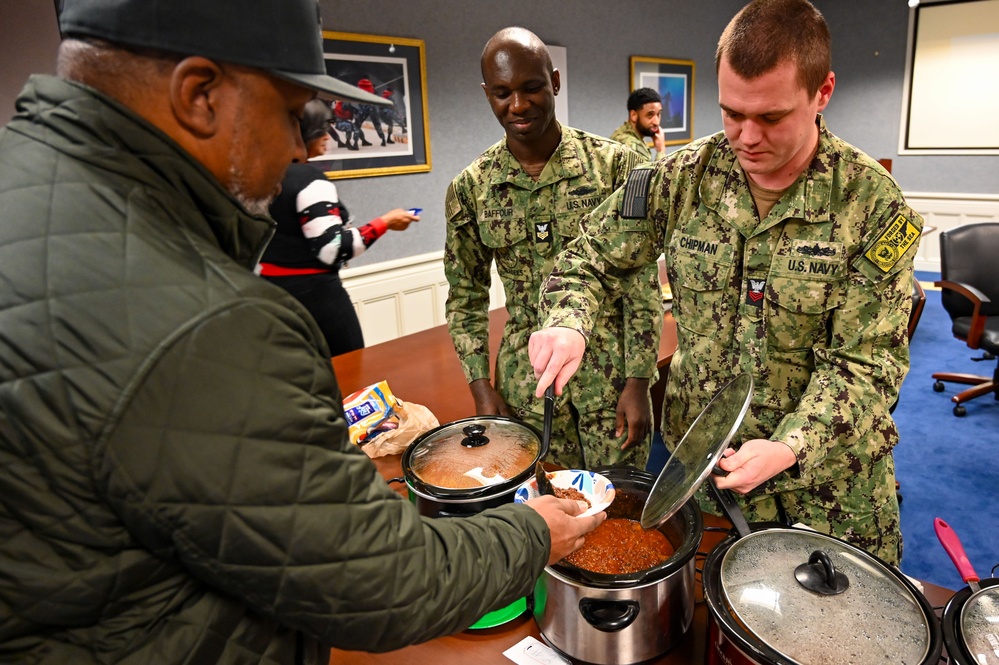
[938, 387]
[960, 411]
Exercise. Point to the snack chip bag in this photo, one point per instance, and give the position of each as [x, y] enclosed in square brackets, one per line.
[369, 412]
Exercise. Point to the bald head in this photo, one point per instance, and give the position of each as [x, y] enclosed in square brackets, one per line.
[520, 85]
[509, 42]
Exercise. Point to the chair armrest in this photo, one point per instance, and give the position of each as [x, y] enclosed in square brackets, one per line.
[977, 298]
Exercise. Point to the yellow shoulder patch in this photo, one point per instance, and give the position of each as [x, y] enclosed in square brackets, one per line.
[893, 243]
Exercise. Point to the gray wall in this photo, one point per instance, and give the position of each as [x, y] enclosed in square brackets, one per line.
[598, 35]
[869, 40]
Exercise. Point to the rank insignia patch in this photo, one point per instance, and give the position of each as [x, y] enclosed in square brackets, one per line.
[892, 244]
[543, 233]
[754, 292]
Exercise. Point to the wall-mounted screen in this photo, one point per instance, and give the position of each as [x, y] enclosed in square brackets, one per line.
[951, 98]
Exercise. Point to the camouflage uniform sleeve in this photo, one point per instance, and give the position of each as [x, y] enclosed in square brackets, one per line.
[466, 265]
[642, 304]
[858, 375]
[609, 258]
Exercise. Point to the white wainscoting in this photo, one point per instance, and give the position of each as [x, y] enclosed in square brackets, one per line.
[400, 297]
[948, 211]
[404, 296]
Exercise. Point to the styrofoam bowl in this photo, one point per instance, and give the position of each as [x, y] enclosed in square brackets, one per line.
[597, 489]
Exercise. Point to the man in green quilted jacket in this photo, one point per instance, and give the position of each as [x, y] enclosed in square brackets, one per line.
[177, 483]
[789, 255]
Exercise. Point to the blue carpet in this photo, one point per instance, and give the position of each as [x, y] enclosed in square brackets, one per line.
[948, 467]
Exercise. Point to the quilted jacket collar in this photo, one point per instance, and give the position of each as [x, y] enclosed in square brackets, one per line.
[95, 128]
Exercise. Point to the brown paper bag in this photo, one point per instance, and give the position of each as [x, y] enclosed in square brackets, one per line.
[414, 420]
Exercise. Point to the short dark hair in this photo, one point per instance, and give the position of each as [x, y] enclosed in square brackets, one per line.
[641, 97]
[766, 33]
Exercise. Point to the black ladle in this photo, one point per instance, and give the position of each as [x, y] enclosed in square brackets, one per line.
[544, 484]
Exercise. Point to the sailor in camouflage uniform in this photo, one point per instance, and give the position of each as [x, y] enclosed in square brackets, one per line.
[644, 111]
[518, 204]
[810, 296]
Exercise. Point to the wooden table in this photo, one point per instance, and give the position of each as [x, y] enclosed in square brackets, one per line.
[423, 368]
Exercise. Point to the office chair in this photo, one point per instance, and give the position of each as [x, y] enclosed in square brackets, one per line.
[918, 302]
[969, 279]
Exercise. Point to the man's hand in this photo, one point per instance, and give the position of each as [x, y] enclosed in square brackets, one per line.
[567, 531]
[634, 412]
[756, 462]
[555, 354]
[488, 402]
[659, 143]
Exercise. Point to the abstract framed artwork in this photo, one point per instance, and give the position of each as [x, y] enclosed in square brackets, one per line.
[674, 81]
[369, 140]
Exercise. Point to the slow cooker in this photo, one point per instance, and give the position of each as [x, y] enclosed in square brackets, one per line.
[623, 619]
[793, 596]
[464, 467]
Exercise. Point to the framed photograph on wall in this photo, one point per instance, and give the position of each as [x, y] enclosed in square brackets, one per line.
[674, 81]
[369, 140]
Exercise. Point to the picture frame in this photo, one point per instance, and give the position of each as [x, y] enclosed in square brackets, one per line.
[674, 81]
[395, 68]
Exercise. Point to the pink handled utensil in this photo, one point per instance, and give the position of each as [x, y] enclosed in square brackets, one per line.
[952, 545]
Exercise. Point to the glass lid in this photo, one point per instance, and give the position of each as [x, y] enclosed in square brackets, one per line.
[475, 452]
[861, 610]
[980, 626]
[698, 451]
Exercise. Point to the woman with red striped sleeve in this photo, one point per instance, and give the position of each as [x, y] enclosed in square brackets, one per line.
[312, 242]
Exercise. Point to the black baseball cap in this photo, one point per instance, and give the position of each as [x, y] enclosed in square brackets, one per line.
[281, 37]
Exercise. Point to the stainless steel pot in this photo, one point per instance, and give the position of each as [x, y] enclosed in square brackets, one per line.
[622, 619]
[491, 455]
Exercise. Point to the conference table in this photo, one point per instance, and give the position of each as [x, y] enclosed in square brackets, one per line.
[423, 368]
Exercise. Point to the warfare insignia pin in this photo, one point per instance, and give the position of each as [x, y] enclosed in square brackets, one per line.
[543, 233]
[754, 292]
[891, 245]
[815, 250]
[581, 191]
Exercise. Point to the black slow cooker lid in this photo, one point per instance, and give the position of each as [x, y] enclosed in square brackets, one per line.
[698, 451]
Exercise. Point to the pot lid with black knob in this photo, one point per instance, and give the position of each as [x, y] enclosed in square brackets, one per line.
[473, 453]
[810, 597]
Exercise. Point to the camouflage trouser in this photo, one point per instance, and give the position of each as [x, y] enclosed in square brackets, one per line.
[366, 112]
[861, 509]
[347, 127]
[586, 440]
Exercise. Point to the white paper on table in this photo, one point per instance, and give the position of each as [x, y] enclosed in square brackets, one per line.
[531, 651]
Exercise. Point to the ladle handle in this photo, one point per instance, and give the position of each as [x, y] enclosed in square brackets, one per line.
[952, 544]
[546, 434]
